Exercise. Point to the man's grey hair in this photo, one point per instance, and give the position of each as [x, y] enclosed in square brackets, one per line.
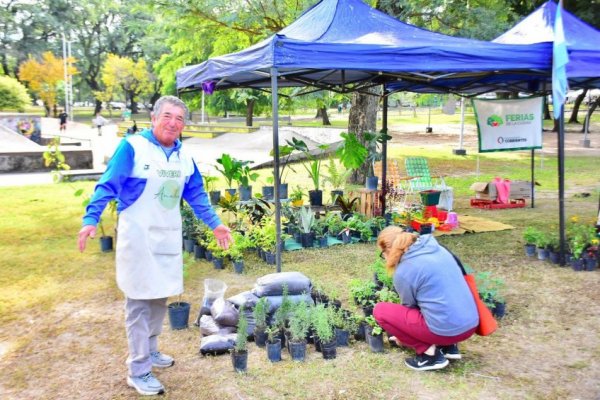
[175, 101]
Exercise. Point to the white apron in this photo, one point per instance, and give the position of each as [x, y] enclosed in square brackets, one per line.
[149, 246]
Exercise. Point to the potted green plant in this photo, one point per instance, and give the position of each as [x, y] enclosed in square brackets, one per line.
[337, 177]
[313, 167]
[338, 320]
[530, 234]
[209, 187]
[217, 252]
[268, 190]
[335, 224]
[541, 242]
[106, 241]
[347, 205]
[296, 197]
[236, 251]
[307, 220]
[244, 177]
[230, 169]
[490, 290]
[363, 294]
[261, 309]
[273, 344]
[323, 328]
[373, 141]
[179, 311]
[285, 152]
[239, 355]
[320, 231]
[374, 334]
[299, 324]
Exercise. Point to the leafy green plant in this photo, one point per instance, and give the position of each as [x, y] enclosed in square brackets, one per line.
[336, 177]
[357, 224]
[241, 340]
[111, 207]
[376, 329]
[209, 182]
[313, 164]
[297, 194]
[490, 288]
[299, 321]
[285, 152]
[54, 158]
[380, 271]
[347, 205]
[216, 250]
[284, 311]
[237, 247]
[245, 175]
[230, 168]
[363, 292]
[542, 240]
[530, 234]
[261, 309]
[373, 141]
[272, 333]
[352, 152]
[335, 224]
[307, 218]
[322, 324]
[388, 295]
[320, 227]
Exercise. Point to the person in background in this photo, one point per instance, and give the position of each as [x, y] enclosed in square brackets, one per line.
[437, 310]
[99, 121]
[62, 117]
[149, 174]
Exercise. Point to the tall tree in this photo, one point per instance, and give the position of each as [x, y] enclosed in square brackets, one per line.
[43, 77]
[130, 77]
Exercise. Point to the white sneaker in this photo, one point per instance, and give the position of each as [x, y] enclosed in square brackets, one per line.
[146, 385]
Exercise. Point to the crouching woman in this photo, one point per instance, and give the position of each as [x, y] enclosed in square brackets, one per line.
[437, 310]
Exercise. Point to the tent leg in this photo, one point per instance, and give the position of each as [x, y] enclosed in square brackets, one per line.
[561, 184]
[532, 178]
[275, 103]
[384, 153]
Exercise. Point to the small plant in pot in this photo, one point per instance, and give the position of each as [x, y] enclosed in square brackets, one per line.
[230, 169]
[323, 328]
[320, 229]
[347, 205]
[239, 355]
[244, 177]
[337, 178]
[236, 251]
[261, 309]
[106, 241]
[307, 220]
[541, 243]
[313, 167]
[373, 142]
[374, 334]
[490, 290]
[179, 311]
[210, 186]
[273, 344]
[530, 234]
[217, 252]
[285, 152]
[299, 324]
[297, 197]
[364, 295]
[340, 324]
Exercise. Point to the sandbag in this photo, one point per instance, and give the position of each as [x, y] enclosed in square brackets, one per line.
[275, 301]
[224, 313]
[208, 326]
[217, 344]
[246, 299]
[272, 284]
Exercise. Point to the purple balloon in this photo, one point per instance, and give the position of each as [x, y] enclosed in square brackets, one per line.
[209, 87]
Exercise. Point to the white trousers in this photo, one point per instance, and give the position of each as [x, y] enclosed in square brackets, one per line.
[143, 324]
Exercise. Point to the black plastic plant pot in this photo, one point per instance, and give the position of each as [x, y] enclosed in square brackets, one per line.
[499, 309]
[260, 337]
[208, 255]
[283, 191]
[238, 266]
[375, 342]
[179, 314]
[367, 310]
[323, 241]
[430, 197]
[231, 191]
[215, 197]
[360, 332]
[245, 193]
[199, 252]
[274, 350]
[554, 257]
[218, 263]
[270, 258]
[268, 192]
[297, 351]
[106, 244]
[239, 360]
[315, 197]
[188, 245]
[372, 182]
[530, 250]
[329, 350]
[307, 240]
[346, 237]
[342, 337]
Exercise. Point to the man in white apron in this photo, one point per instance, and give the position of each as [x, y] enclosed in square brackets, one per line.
[148, 175]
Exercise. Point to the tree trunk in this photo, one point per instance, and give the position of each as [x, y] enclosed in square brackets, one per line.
[249, 111]
[363, 118]
[575, 111]
[592, 106]
[324, 116]
[546, 109]
[97, 107]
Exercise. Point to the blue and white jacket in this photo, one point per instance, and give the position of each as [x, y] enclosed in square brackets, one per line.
[118, 183]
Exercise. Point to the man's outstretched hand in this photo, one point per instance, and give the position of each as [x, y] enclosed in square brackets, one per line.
[223, 236]
[87, 230]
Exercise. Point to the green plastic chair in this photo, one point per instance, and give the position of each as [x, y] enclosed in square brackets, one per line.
[417, 169]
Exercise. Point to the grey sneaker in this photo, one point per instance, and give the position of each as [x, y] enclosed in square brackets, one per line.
[161, 360]
[146, 384]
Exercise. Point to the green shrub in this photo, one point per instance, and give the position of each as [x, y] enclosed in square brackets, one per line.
[13, 95]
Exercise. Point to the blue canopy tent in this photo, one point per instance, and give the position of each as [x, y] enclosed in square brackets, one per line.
[345, 45]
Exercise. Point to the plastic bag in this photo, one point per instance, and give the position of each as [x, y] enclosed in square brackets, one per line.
[224, 313]
[213, 289]
[272, 284]
[208, 326]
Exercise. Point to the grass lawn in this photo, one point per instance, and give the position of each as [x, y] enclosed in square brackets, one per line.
[61, 318]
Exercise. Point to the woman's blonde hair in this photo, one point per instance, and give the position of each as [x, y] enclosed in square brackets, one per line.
[394, 242]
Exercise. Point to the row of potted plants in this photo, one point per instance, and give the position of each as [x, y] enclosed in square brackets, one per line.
[582, 240]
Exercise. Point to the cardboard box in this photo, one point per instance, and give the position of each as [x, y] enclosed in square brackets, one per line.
[487, 190]
[484, 190]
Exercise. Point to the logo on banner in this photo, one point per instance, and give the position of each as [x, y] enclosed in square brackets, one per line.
[494, 120]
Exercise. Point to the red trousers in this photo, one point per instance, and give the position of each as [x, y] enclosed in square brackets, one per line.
[408, 326]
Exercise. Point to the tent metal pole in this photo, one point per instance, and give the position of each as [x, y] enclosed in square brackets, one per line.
[561, 184]
[384, 129]
[275, 102]
[532, 178]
